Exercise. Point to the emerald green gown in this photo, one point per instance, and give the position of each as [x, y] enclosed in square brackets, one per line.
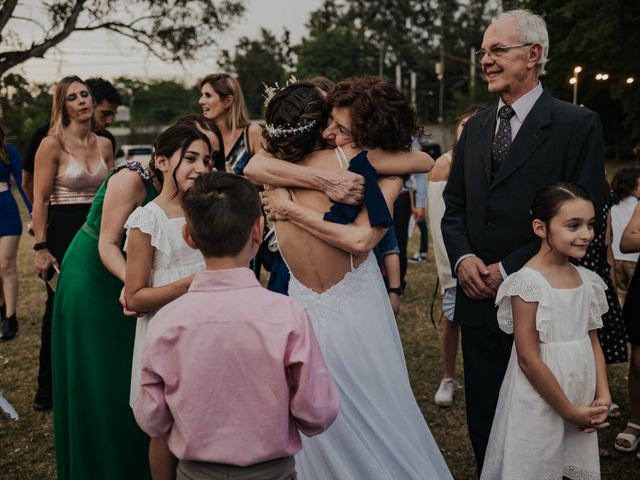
[96, 435]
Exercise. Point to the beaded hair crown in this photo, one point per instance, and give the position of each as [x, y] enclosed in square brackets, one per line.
[274, 131]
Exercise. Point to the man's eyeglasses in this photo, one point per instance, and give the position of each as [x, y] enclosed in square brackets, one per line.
[498, 51]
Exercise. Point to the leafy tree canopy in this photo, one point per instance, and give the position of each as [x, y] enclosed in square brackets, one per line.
[599, 37]
[257, 62]
[170, 29]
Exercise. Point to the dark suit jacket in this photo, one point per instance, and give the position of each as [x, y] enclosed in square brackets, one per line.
[491, 218]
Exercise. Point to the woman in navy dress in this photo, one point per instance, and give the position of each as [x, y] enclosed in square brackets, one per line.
[10, 231]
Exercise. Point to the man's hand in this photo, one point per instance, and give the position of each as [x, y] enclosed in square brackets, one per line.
[471, 275]
[344, 186]
[494, 278]
[418, 214]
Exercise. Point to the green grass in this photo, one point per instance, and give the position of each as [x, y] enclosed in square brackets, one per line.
[26, 446]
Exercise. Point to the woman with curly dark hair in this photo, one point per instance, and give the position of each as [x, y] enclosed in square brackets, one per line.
[380, 432]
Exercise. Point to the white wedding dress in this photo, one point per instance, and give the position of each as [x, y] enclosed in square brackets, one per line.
[380, 433]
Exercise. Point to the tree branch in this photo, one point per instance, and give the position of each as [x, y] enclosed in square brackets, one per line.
[35, 22]
[11, 59]
[6, 12]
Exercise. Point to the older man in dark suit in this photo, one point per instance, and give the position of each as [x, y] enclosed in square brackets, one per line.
[506, 153]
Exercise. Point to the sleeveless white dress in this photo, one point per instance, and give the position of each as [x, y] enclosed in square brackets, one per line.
[380, 433]
[173, 260]
[529, 440]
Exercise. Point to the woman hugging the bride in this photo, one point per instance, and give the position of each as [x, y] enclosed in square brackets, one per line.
[380, 432]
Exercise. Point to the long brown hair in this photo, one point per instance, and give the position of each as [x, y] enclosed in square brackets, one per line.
[225, 85]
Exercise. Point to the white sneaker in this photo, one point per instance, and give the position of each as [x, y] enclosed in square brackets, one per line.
[444, 395]
[418, 257]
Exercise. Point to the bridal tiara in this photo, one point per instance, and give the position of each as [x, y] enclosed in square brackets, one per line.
[269, 92]
[285, 131]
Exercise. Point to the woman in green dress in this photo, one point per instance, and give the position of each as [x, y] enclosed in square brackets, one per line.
[96, 435]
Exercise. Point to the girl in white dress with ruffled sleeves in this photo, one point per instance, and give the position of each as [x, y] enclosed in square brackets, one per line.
[160, 264]
[554, 395]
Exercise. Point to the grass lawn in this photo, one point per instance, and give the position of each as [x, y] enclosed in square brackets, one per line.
[26, 446]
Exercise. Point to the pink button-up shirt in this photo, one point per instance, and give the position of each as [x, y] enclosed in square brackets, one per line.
[232, 371]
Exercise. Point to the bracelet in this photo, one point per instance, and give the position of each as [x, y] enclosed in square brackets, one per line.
[40, 246]
[397, 290]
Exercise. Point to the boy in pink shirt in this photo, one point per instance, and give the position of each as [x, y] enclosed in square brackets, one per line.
[230, 370]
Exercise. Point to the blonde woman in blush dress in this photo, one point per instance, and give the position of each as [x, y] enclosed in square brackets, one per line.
[71, 164]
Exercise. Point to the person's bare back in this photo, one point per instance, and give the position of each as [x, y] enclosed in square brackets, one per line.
[315, 263]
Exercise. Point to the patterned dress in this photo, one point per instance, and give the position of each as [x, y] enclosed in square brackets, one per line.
[612, 335]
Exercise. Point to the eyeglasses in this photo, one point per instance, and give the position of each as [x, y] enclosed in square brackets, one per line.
[498, 51]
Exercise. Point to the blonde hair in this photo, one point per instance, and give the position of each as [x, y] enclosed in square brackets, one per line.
[225, 85]
[59, 115]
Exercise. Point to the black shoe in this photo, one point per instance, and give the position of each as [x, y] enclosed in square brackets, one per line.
[42, 406]
[9, 328]
[44, 398]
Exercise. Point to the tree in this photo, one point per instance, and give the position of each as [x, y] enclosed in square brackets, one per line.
[337, 54]
[170, 29]
[372, 37]
[265, 60]
[159, 102]
[25, 107]
[598, 42]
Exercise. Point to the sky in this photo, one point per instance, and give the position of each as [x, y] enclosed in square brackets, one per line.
[109, 55]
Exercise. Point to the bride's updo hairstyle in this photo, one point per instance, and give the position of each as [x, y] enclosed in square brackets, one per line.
[381, 117]
[296, 117]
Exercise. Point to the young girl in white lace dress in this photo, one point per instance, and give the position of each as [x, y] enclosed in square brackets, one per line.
[160, 265]
[555, 393]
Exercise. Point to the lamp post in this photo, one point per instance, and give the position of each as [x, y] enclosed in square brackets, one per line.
[574, 82]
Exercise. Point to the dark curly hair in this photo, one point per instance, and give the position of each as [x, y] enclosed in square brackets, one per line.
[296, 104]
[381, 116]
[624, 183]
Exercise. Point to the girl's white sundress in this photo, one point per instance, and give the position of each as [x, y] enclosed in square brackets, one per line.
[529, 440]
[173, 260]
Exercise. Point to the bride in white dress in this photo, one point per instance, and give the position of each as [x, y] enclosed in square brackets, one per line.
[380, 432]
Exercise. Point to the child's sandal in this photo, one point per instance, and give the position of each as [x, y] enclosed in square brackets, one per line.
[633, 440]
